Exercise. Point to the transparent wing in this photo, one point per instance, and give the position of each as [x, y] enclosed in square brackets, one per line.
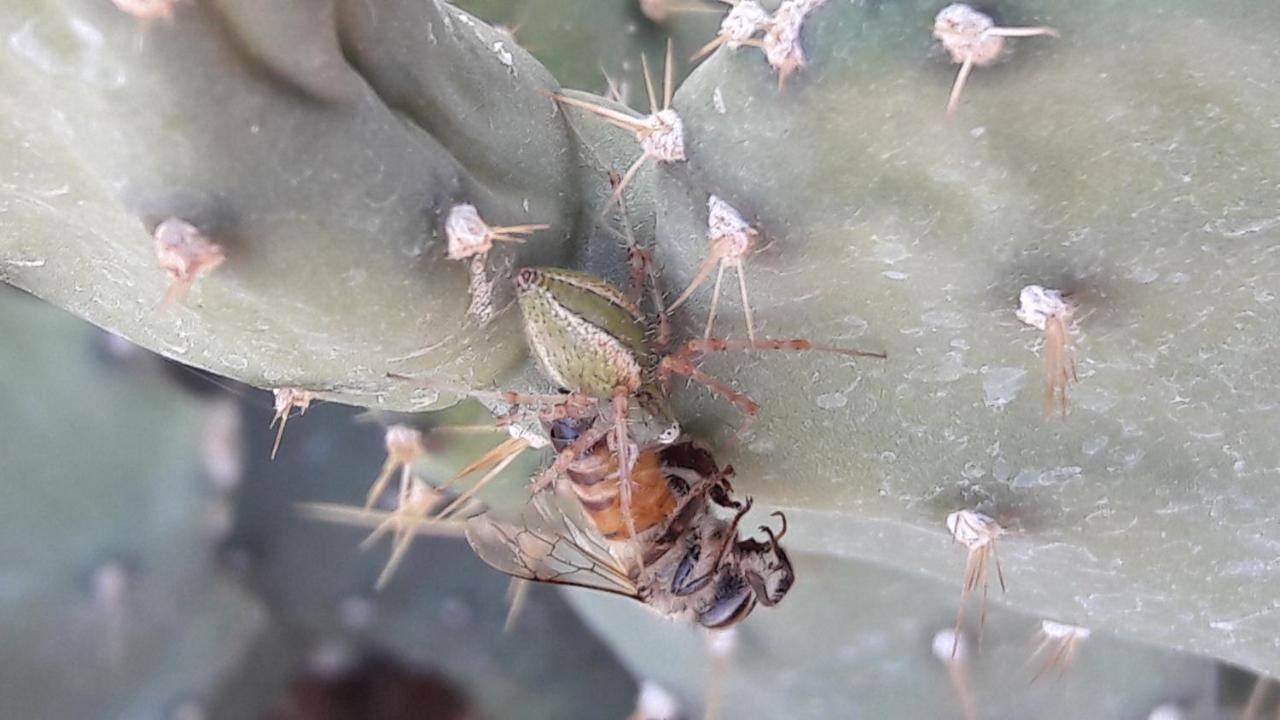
[547, 545]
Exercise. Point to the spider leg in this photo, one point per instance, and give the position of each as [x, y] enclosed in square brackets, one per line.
[631, 173]
[675, 365]
[582, 444]
[626, 460]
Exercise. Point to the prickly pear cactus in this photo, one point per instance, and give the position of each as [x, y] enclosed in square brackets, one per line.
[1085, 163]
[325, 166]
[114, 603]
[1129, 168]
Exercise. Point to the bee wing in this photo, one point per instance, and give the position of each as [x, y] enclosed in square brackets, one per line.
[547, 545]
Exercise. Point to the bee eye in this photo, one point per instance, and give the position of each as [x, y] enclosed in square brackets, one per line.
[728, 610]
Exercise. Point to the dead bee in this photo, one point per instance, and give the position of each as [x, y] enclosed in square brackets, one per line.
[687, 563]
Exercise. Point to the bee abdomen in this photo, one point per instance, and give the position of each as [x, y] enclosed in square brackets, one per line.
[597, 486]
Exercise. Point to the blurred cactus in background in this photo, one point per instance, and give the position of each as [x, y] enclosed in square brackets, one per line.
[321, 147]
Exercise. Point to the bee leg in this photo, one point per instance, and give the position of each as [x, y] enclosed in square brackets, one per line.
[681, 584]
[721, 492]
[730, 536]
[788, 573]
[758, 587]
[775, 538]
[622, 185]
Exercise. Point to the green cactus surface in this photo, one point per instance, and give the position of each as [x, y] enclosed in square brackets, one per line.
[324, 165]
[1088, 163]
[112, 602]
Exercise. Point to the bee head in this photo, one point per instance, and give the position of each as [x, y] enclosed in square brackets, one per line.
[734, 599]
[761, 572]
[765, 565]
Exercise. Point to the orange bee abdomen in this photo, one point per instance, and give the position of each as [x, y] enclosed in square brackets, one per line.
[595, 482]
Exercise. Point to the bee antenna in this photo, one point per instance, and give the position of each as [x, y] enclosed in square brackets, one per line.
[778, 514]
[773, 539]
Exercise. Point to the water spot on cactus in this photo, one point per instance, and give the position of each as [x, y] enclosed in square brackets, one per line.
[1001, 385]
[1000, 470]
[235, 362]
[504, 56]
[890, 253]
[895, 275]
[944, 319]
[32, 262]
[717, 101]
[424, 397]
[831, 401]
[1035, 477]
[856, 327]
[1026, 477]
[47, 47]
[948, 368]
[1095, 444]
[1144, 275]
[116, 274]
[1095, 399]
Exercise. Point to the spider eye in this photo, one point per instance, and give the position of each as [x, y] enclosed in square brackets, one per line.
[669, 435]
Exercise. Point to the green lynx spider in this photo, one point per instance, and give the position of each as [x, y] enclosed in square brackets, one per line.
[589, 338]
